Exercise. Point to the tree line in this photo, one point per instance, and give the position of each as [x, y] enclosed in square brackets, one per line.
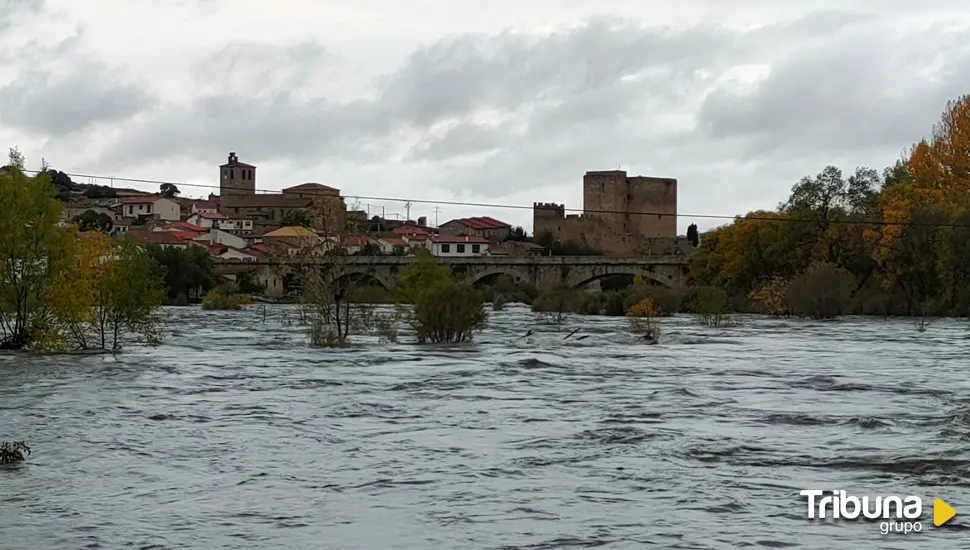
[60, 288]
[890, 243]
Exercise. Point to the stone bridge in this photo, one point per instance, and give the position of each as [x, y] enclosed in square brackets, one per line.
[544, 272]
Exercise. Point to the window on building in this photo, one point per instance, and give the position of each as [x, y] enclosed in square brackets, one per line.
[476, 248]
[445, 248]
[461, 249]
[232, 173]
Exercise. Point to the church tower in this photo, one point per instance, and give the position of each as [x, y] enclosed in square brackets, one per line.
[236, 179]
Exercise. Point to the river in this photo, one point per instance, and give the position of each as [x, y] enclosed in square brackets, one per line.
[234, 434]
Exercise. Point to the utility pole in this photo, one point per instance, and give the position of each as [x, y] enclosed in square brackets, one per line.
[436, 209]
[407, 209]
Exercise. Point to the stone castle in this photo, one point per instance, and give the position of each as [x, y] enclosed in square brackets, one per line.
[622, 215]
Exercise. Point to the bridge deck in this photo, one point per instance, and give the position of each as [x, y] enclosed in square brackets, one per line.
[475, 260]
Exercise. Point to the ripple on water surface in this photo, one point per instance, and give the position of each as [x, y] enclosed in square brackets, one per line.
[235, 434]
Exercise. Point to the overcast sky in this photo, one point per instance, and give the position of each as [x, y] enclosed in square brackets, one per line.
[494, 101]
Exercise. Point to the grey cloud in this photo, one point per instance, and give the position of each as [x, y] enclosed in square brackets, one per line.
[589, 98]
[869, 90]
[509, 71]
[450, 80]
[42, 103]
[255, 69]
[462, 139]
[11, 10]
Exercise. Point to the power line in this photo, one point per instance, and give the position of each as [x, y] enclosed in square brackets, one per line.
[407, 201]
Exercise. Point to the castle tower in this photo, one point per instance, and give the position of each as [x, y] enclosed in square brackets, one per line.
[236, 179]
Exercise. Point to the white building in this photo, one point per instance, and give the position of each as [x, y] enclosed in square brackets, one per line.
[208, 220]
[218, 236]
[204, 207]
[150, 205]
[454, 246]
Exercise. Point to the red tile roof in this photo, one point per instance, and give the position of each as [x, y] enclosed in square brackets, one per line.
[355, 240]
[312, 187]
[459, 239]
[481, 222]
[185, 235]
[395, 241]
[211, 216]
[155, 237]
[186, 226]
[411, 230]
[206, 205]
[260, 247]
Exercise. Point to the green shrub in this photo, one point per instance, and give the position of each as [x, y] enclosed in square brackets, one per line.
[448, 311]
[824, 291]
[711, 305]
[218, 300]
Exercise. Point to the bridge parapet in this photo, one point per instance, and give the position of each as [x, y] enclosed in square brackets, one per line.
[541, 271]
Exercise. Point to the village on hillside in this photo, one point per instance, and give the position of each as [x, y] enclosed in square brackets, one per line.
[241, 224]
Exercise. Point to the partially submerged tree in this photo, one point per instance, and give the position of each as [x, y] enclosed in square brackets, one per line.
[33, 249]
[644, 320]
[113, 290]
[445, 309]
[822, 292]
[59, 289]
[13, 451]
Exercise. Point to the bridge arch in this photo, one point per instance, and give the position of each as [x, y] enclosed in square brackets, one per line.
[665, 279]
[364, 274]
[516, 275]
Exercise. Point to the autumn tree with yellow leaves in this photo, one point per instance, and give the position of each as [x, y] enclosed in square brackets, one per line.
[903, 235]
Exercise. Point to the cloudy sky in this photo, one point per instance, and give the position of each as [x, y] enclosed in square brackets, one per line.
[486, 101]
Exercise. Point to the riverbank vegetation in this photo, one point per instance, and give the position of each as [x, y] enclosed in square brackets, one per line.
[61, 289]
[226, 299]
[896, 243]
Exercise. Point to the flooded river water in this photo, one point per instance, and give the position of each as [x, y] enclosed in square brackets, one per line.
[235, 434]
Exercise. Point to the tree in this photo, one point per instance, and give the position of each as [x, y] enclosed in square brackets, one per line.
[296, 218]
[169, 190]
[692, 235]
[421, 275]
[769, 298]
[185, 272]
[822, 292]
[129, 292]
[93, 221]
[100, 192]
[55, 283]
[517, 234]
[446, 310]
[643, 319]
[33, 248]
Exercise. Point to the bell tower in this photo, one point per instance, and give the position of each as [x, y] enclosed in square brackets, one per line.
[236, 179]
